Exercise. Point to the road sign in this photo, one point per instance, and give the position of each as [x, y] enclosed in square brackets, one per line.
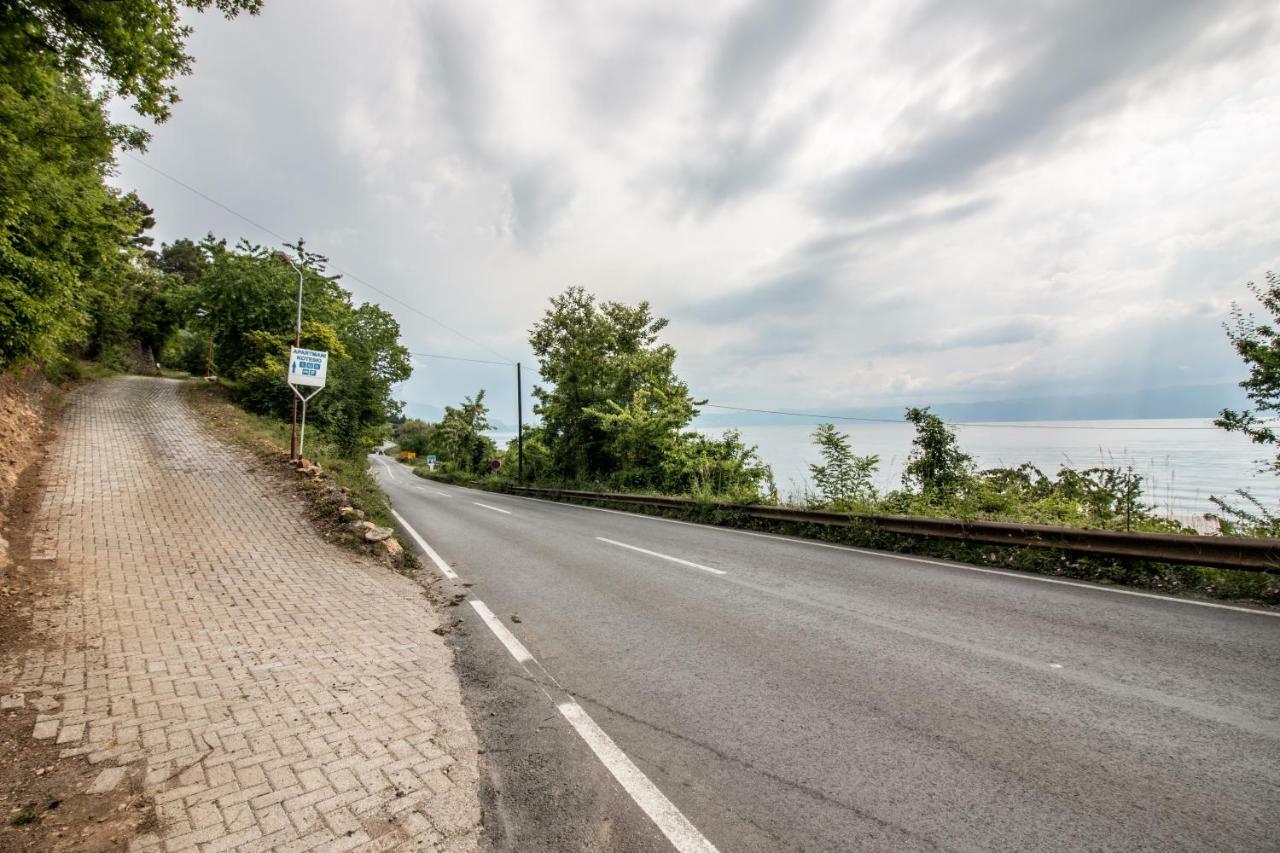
[308, 366]
[431, 459]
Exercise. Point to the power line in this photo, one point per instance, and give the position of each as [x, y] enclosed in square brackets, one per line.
[949, 423]
[460, 358]
[506, 362]
[338, 269]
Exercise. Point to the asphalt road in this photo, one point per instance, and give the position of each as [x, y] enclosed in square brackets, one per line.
[783, 695]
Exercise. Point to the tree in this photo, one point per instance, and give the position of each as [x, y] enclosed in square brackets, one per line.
[69, 243]
[844, 479]
[937, 469]
[136, 46]
[462, 432]
[1258, 345]
[597, 358]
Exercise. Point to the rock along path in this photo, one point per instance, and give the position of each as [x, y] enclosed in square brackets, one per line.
[270, 690]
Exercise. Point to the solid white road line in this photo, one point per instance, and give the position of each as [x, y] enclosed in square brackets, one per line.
[390, 473]
[508, 639]
[682, 834]
[494, 508]
[431, 552]
[663, 556]
[889, 556]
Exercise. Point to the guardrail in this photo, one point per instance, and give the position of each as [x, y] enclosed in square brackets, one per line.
[1224, 552]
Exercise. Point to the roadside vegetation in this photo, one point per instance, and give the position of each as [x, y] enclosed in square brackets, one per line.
[77, 275]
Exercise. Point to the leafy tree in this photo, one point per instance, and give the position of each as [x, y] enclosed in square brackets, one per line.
[419, 437]
[70, 245]
[844, 480]
[1259, 347]
[462, 431]
[936, 469]
[136, 46]
[595, 356]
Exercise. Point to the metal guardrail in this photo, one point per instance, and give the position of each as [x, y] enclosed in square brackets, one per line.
[1224, 552]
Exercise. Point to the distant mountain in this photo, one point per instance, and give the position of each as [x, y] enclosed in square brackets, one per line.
[1184, 401]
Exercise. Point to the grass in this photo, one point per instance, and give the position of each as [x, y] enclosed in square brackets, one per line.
[1194, 581]
[269, 438]
[23, 818]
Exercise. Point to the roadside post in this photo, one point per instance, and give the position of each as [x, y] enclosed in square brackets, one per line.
[308, 369]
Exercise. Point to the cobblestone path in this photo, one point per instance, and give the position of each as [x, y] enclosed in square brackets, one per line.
[271, 690]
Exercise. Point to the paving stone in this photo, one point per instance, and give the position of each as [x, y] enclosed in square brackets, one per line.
[253, 672]
[108, 779]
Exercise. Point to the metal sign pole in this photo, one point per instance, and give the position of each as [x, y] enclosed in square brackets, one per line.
[302, 429]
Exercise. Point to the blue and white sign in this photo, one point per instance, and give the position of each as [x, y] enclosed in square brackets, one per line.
[308, 366]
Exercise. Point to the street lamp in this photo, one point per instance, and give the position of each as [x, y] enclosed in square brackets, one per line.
[297, 342]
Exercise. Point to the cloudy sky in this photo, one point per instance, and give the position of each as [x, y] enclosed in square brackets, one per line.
[834, 203]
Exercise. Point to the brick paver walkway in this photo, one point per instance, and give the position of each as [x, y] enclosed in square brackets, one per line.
[273, 691]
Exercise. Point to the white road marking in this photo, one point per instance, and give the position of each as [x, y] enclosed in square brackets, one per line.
[422, 543]
[508, 639]
[390, 473]
[494, 508]
[663, 556]
[682, 834]
[1017, 575]
[425, 490]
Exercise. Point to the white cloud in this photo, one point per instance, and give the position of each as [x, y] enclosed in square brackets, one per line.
[835, 203]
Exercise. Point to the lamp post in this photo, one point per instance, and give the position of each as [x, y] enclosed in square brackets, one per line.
[297, 342]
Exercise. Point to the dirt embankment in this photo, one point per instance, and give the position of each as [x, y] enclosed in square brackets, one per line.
[44, 804]
[27, 402]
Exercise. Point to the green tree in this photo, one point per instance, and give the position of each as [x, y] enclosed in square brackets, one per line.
[137, 46]
[70, 245]
[462, 431]
[936, 468]
[1258, 344]
[596, 359]
[844, 479]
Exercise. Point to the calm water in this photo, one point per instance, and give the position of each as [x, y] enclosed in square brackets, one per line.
[1181, 463]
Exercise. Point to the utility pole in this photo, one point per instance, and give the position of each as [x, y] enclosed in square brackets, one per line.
[519, 426]
[297, 342]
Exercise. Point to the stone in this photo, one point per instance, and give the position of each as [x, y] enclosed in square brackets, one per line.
[13, 700]
[107, 780]
[377, 534]
[393, 548]
[350, 512]
[360, 526]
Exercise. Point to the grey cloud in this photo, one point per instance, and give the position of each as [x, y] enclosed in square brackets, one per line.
[735, 167]
[816, 269]
[733, 154]
[458, 71]
[1001, 333]
[759, 41]
[541, 189]
[1080, 59]
[539, 194]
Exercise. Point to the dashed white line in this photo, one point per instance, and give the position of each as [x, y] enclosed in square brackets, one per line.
[494, 508]
[664, 556]
[422, 543]
[678, 829]
[508, 639]
[425, 490]
[682, 834]
[890, 556]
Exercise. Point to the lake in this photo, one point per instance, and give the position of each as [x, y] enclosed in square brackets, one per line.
[1182, 462]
